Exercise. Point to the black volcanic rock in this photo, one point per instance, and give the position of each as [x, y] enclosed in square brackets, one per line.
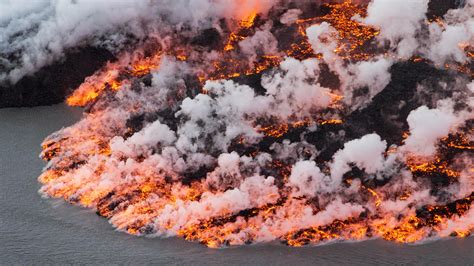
[209, 38]
[51, 84]
[387, 112]
[438, 8]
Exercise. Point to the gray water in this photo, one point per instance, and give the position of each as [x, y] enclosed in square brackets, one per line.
[46, 231]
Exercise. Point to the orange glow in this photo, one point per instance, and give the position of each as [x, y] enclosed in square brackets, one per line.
[378, 199]
[146, 199]
[437, 166]
[249, 21]
[94, 85]
[108, 77]
[405, 232]
[278, 130]
[462, 234]
[352, 35]
[330, 122]
[241, 33]
[145, 65]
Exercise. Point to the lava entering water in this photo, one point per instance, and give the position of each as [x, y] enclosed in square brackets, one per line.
[287, 124]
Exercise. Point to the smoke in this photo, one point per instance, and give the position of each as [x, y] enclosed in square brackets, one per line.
[262, 42]
[253, 121]
[366, 153]
[427, 126]
[403, 26]
[307, 179]
[448, 41]
[41, 33]
[292, 90]
[398, 22]
[373, 74]
[290, 16]
[49, 28]
[322, 41]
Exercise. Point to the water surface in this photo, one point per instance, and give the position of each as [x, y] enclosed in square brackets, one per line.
[44, 231]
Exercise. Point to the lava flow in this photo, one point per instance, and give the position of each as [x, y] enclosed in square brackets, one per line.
[303, 123]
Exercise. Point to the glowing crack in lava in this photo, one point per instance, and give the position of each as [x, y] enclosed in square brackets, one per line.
[181, 141]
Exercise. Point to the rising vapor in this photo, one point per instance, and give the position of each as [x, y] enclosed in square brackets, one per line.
[238, 122]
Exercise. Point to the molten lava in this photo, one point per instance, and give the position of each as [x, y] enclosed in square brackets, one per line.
[223, 163]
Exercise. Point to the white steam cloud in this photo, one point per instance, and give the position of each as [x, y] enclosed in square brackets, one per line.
[42, 31]
[226, 162]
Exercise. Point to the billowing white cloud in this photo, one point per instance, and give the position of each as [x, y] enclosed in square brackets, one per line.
[366, 153]
[427, 126]
[398, 22]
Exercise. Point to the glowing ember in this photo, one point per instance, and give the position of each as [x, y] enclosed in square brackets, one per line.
[231, 143]
[109, 77]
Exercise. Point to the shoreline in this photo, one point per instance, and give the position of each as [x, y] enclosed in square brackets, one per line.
[38, 230]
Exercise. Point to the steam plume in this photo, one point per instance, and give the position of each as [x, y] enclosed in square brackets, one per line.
[252, 121]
